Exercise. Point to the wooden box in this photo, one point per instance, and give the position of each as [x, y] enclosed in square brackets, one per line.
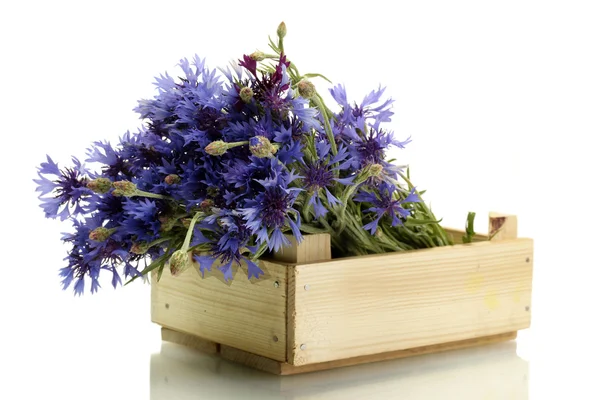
[309, 312]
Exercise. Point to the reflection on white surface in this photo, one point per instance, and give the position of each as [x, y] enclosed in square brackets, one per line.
[487, 372]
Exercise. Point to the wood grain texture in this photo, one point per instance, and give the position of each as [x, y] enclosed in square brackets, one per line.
[502, 226]
[374, 304]
[457, 235]
[281, 368]
[194, 342]
[250, 315]
[313, 248]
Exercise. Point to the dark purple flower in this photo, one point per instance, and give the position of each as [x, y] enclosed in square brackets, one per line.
[319, 176]
[271, 212]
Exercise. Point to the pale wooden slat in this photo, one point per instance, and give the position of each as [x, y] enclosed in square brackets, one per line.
[457, 235]
[287, 369]
[374, 304]
[502, 226]
[245, 314]
[194, 342]
[313, 248]
[281, 368]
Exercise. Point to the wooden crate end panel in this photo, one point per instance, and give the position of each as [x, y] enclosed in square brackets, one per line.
[250, 315]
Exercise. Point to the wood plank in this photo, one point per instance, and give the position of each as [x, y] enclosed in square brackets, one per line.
[374, 304]
[280, 368]
[313, 248]
[502, 226]
[194, 342]
[291, 314]
[250, 315]
[457, 234]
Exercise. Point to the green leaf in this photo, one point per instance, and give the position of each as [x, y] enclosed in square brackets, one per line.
[416, 222]
[160, 261]
[314, 75]
[311, 229]
[469, 230]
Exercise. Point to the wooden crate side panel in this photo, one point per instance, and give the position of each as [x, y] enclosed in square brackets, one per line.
[249, 315]
[375, 304]
[457, 235]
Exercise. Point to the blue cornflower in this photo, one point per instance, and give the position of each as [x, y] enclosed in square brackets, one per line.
[290, 149]
[141, 219]
[384, 203]
[69, 189]
[232, 237]
[307, 115]
[247, 175]
[367, 108]
[370, 148]
[319, 175]
[271, 211]
[81, 263]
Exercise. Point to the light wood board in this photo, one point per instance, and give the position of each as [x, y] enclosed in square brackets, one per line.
[249, 315]
[281, 368]
[374, 304]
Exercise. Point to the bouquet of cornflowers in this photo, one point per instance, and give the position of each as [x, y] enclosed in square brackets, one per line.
[229, 166]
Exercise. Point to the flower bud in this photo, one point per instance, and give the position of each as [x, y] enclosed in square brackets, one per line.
[257, 56]
[124, 188]
[261, 147]
[368, 171]
[207, 204]
[179, 262]
[372, 170]
[281, 30]
[246, 94]
[306, 89]
[172, 179]
[139, 248]
[100, 234]
[216, 148]
[100, 185]
[167, 222]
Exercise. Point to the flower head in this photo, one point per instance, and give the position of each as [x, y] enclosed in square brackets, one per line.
[272, 212]
[384, 202]
[67, 189]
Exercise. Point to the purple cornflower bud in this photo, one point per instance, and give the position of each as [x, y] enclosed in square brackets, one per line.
[100, 234]
[257, 56]
[124, 188]
[372, 170]
[216, 148]
[179, 262]
[100, 185]
[172, 179]
[281, 30]
[306, 89]
[139, 248]
[246, 94]
[261, 147]
[219, 147]
[167, 222]
[207, 204]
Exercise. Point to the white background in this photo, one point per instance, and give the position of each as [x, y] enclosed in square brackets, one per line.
[502, 101]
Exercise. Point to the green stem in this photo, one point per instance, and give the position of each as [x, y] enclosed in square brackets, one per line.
[328, 130]
[141, 193]
[441, 232]
[188, 236]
